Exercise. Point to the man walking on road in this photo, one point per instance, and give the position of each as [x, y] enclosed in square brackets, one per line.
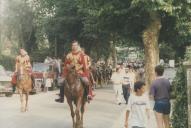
[117, 78]
[126, 85]
[160, 91]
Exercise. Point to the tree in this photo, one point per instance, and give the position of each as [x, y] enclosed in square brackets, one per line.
[141, 21]
[61, 23]
[180, 112]
[19, 27]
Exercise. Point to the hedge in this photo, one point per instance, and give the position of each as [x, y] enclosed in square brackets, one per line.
[7, 62]
[180, 109]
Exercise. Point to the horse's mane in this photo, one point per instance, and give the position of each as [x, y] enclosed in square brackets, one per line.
[72, 75]
[23, 70]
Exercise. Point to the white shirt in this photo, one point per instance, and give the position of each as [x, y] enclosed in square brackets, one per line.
[117, 78]
[132, 79]
[126, 79]
[137, 106]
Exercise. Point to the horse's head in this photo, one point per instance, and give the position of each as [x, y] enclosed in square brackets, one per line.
[72, 78]
[72, 73]
[22, 70]
[71, 69]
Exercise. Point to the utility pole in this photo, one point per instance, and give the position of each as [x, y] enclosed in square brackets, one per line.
[56, 47]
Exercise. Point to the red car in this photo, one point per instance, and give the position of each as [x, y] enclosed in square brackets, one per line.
[41, 73]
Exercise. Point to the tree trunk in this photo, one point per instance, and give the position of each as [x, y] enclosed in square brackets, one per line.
[56, 47]
[150, 39]
[113, 54]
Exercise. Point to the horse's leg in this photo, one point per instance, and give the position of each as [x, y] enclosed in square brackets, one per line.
[78, 107]
[97, 82]
[26, 101]
[101, 82]
[21, 99]
[82, 113]
[72, 111]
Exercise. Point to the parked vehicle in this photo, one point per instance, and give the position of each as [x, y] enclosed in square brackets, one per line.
[44, 76]
[5, 83]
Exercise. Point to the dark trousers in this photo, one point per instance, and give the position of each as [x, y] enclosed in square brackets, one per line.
[62, 92]
[126, 92]
[14, 88]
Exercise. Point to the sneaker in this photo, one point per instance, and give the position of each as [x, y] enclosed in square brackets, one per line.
[60, 100]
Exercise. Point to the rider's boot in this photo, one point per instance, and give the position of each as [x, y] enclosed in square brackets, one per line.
[61, 95]
[33, 81]
[60, 100]
[90, 94]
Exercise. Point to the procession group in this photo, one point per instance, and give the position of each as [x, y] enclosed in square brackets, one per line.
[126, 86]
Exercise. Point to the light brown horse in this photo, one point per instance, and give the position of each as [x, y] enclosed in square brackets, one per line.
[75, 93]
[24, 86]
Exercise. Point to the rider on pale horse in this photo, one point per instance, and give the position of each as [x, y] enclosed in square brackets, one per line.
[23, 71]
[75, 58]
[23, 60]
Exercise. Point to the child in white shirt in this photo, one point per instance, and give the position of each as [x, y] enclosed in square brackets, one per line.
[138, 106]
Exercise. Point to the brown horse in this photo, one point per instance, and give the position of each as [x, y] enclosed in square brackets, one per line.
[75, 93]
[24, 86]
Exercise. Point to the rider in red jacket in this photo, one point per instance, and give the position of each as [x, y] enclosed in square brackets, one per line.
[78, 59]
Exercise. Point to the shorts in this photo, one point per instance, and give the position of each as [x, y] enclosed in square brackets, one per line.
[162, 106]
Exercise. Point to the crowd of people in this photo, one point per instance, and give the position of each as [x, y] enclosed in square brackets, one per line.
[129, 85]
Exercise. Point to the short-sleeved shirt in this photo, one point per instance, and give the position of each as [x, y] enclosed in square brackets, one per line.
[137, 105]
[117, 78]
[160, 89]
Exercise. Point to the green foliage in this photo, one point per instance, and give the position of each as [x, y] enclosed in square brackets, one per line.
[95, 23]
[18, 24]
[166, 51]
[180, 110]
[7, 62]
[128, 19]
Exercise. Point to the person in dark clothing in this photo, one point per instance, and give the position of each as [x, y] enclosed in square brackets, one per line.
[160, 92]
[60, 83]
[126, 91]
[61, 95]
[126, 86]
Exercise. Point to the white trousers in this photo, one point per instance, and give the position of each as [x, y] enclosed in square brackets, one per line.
[118, 93]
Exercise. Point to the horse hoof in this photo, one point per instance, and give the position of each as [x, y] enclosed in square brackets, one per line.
[26, 110]
[81, 126]
[77, 125]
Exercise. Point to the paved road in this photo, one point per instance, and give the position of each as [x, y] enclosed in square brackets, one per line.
[45, 113]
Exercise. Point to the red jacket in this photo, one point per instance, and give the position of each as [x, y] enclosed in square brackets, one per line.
[77, 60]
